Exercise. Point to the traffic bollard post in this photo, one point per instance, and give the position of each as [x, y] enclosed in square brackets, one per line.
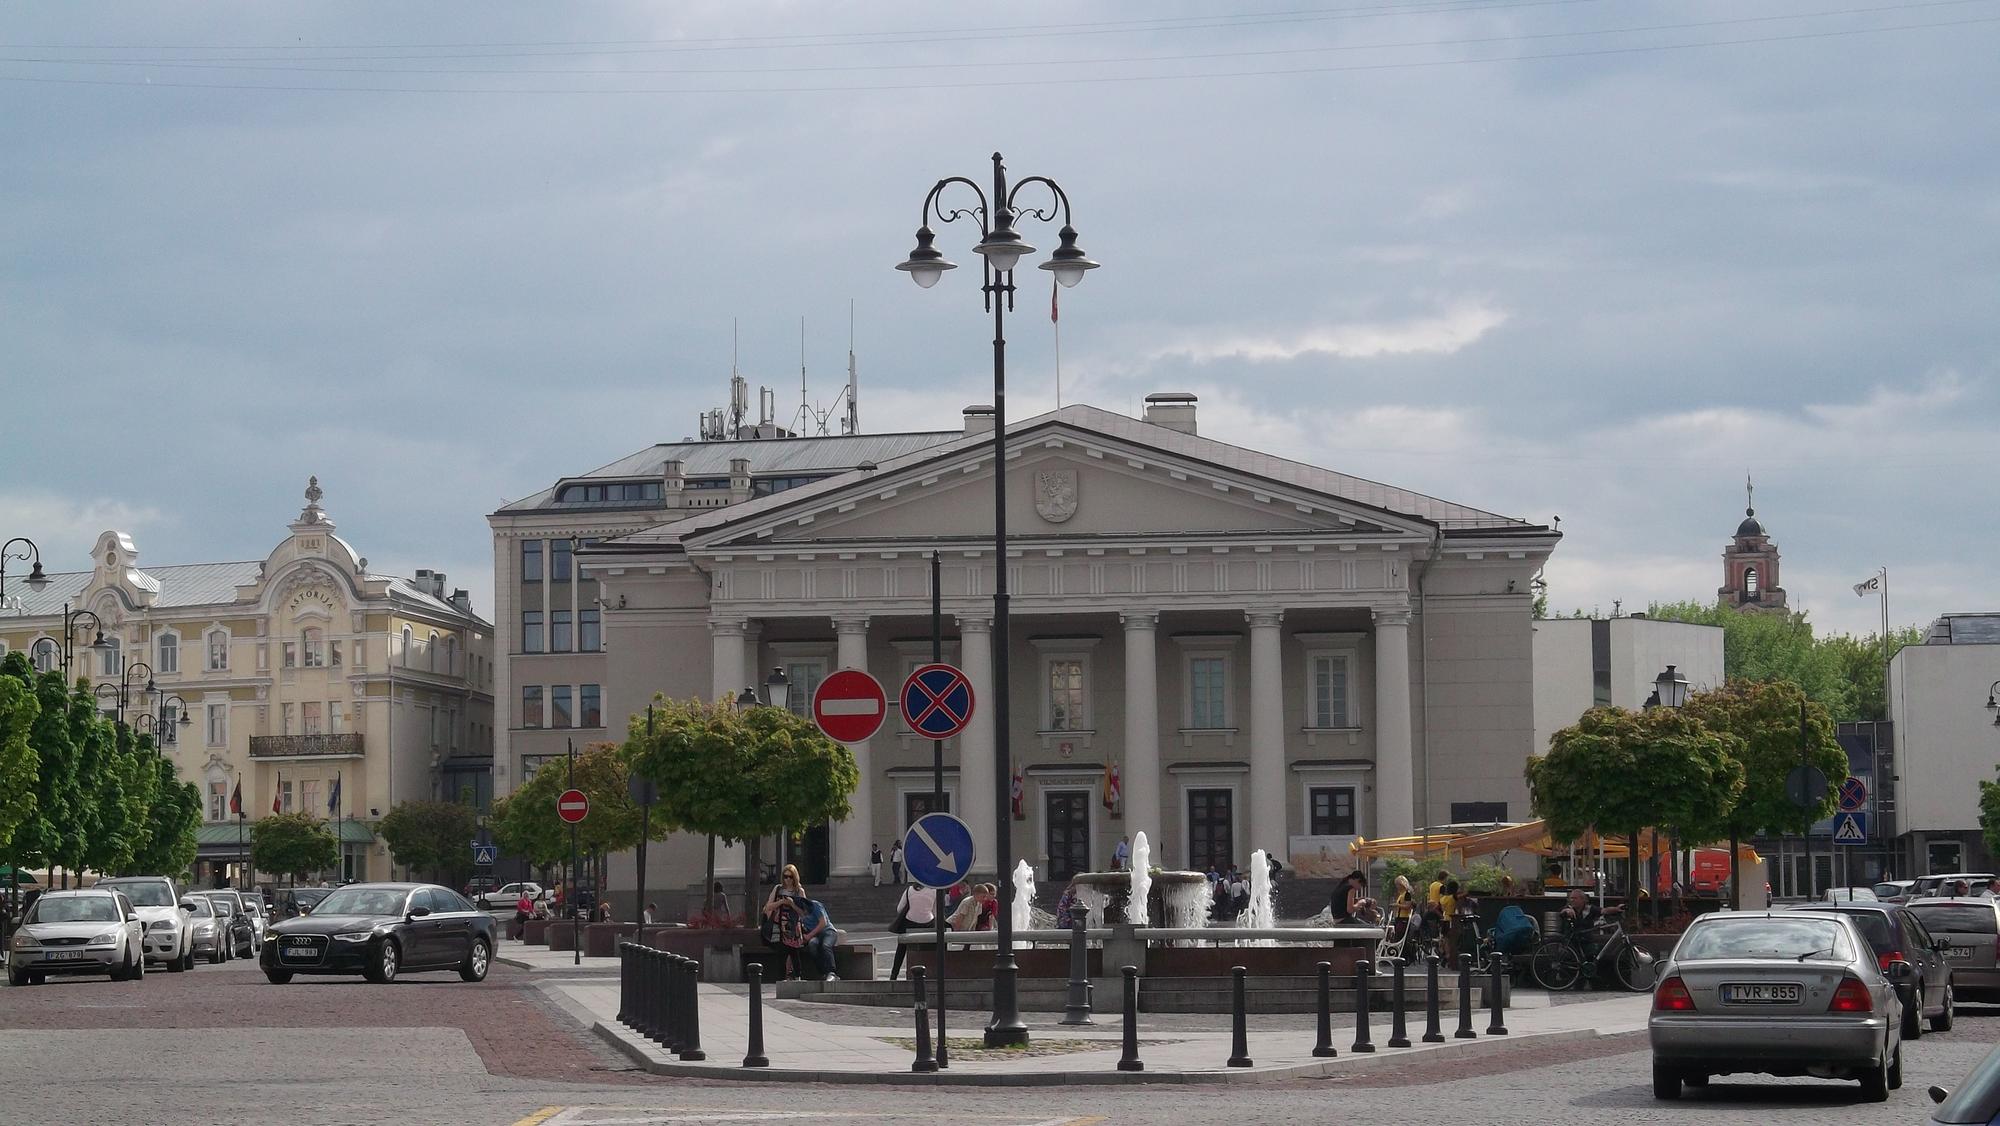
[1399, 1029]
[1496, 999]
[1361, 1002]
[1077, 1009]
[691, 1012]
[1465, 1031]
[1323, 1045]
[924, 1062]
[753, 1055]
[1239, 1019]
[1432, 1034]
[625, 983]
[1129, 1059]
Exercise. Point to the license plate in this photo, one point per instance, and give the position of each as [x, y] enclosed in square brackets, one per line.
[1745, 994]
[1958, 953]
[304, 953]
[62, 956]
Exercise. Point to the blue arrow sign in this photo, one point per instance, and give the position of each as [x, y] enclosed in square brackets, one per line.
[1850, 828]
[484, 854]
[938, 850]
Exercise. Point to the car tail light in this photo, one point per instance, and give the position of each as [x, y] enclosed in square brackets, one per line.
[1851, 997]
[1887, 956]
[1672, 997]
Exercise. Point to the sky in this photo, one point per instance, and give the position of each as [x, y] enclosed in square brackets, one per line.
[1590, 259]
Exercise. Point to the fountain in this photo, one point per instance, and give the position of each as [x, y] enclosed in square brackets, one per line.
[1024, 895]
[1259, 913]
[1142, 879]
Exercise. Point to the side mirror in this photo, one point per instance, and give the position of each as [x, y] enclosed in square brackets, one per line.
[418, 912]
[1938, 1094]
[131, 916]
[188, 907]
[1901, 971]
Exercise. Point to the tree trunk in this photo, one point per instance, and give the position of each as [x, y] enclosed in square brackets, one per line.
[1632, 892]
[753, 894]
[708, 880]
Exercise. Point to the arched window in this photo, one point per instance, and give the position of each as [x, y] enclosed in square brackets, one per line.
[169, 656]
[431, 651]
[1750, 582]
[217, 648]
[313, 641]
[409, 641]
[44, 654]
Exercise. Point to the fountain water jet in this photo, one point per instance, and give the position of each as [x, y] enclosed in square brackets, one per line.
[1259, 913]
[1142, 879]
[1024, 895]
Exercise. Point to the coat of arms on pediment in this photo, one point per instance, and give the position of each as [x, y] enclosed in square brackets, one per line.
[1055, 494]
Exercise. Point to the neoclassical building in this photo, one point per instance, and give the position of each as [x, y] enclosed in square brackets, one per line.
[299, 671]
[1270, 654]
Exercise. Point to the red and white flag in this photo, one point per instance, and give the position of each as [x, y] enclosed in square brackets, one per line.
[1112, 791]
[277, 795]
[1019, 791]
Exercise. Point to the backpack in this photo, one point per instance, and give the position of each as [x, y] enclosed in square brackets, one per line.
[1513, 931]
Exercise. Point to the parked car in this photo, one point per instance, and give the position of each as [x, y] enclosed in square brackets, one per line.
[1855, 894]
[233, 923]
[84, 931]
[169, 932]
[1976, 1099]
[1940, 884]
[259, 916]
[382, 931]
[1894, 933]
[293, 902]
[1970, 931]
[1777, 993]
[479, 885]
[1894, 891]
[208, 938]
[507, 895]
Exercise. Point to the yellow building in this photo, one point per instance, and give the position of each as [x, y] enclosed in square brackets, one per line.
[312, 685]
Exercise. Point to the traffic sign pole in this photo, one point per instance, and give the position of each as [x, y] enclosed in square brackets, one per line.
[575, 920]
[937, 796]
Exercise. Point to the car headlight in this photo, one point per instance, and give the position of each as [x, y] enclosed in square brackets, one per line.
[24, 940]
[354, 936]
[104, 939]
[204, 930]
[162, 925]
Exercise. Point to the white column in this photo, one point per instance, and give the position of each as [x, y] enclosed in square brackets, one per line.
[754, 671]
[726, 642]
[1139, 776]
[853, 837]
[1268, 820]
[973, 802]
[1395, 768]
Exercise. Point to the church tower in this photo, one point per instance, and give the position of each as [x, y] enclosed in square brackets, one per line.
[1750, 564]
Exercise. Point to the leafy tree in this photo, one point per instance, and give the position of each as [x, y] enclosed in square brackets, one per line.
[63, 814]
[101, 767]
[740, 775]
[19, 764]
[1989, 815]
[1861, 664]
[431, 836]
[292, 844]
[526, 823]
[171, 821]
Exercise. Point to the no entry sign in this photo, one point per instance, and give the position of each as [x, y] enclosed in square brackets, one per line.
[849, 706]
[573, 806]
[937, 701]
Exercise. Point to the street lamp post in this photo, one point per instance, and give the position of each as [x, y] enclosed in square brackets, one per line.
[1002, 246]
[36, 579]
[66, 649]
[1670, 690]
[1993, 702]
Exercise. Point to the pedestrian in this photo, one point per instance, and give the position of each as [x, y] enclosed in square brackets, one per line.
[603, 912]
[1272, 863]
[721, 898]
[1121, 855]
[817, 939]
[917, 908]
[875, 864]
[1239, 894]
[896, 861]
[1067, 907]
[523, 908]
[646, 916]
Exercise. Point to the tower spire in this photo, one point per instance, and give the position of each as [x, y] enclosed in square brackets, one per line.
[1749, 496]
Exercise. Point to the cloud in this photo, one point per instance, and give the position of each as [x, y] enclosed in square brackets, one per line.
[1442, 333]
[65, 529]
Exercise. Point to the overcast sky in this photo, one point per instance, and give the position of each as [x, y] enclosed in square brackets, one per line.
[1595, 259]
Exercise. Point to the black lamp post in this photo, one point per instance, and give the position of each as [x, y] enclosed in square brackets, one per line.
[171, 713]
[67, 649]
[1003, 247]
[36, 579]
[125, 686]
[1993, 702]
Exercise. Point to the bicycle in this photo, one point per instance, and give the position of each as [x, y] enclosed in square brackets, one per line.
[1560, 962]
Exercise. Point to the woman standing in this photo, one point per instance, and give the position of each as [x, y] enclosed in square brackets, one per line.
[916, 909]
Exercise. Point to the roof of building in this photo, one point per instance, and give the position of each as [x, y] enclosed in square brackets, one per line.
[188, 584]
[767, 457]
[1445, 515]
[1965, 629]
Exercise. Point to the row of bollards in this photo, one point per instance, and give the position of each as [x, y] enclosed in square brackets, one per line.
[658, 998]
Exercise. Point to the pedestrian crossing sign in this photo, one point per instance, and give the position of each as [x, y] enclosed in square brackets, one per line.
[1850, 828]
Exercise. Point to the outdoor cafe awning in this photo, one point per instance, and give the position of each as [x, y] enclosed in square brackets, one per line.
[1531, 836]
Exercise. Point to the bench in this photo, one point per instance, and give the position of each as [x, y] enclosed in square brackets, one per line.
[853, 961]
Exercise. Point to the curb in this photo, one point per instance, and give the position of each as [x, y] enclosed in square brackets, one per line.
[573, 971]
[645, 1054]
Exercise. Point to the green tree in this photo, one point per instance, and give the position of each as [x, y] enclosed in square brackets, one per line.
[741, 774]
[292, 844]
[171, 822]
[525, 823]
[19, 764]
[101, 767]
[64, 814]
[1989, 815]
[1861, 663]
[434, 837]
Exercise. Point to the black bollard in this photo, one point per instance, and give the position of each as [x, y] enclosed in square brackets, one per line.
[924, 1062]
[754, 1055]
[625, 983]
[670, 994]
[1497, 997]
[691, 1012]
[1361, 1004]
[1465, 1031]
[1077, 1009]
[1432, 1035]
[1399, 1031]
[1323, 1047]
[1129, 1059]
[1239, 1020]
[651, 1010]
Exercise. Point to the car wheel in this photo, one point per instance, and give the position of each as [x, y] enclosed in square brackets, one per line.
[187, 955]
[1896, 1069]
[383, 964]
[1913, 1016]
[215, 956]
[17, 977]
[1947, 1012]
[178, 963]
[278, 977]
[1875, 1083]
[1666, 1081]
[138, 967]
[477, 961]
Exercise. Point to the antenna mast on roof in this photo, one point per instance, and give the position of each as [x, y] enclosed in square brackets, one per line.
[851, 423]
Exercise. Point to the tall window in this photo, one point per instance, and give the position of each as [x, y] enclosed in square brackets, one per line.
[291, 660]
[561, 635]
[218, 650]
[451, 656]
[409, 643]
[1327, 688]
[218, 800]
[309, 796]
[589, 631]
[559, 559]
[112, 659]
[288, 714]
[1750, 581]
[1065, 682]
[559, 700]
[169, 658]
[531, 631]
[218, 725]
[1330, 811]
[313, 642]
[531, 706]
[333, 653]
[336, 718]
[285, 796]
[1207, 692]
[531, 561]
[431, 651]
[804, 677]
[590, 706]
[310, 719]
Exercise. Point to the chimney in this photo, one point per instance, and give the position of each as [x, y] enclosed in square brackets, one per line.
[673, 481]
[978, 419]
[437, 585]
[462, 599]
[1171, 409]
[423, 581]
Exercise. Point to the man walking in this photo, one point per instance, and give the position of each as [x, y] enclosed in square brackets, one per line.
[896, 862]
[1121, 855]
[875, 864]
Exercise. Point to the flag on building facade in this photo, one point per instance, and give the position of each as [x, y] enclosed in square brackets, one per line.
[277, 794]
[236, 799]
[333, 798]
[1111, 788]
[1019, 791]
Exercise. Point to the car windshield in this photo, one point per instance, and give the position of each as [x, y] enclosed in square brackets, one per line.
[363, 901]
[1875, 928]
[1956, 918]
[74, 909]
[201, 908]
[1787, 938]
[147, 893]
[1885, 890]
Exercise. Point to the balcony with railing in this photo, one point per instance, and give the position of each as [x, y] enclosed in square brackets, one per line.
[305, 746]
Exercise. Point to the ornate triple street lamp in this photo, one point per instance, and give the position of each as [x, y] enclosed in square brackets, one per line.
[36, 579]
[1002, 246]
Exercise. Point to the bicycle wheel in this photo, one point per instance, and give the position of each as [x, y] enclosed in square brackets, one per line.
[1557, 966]
[1634, 968]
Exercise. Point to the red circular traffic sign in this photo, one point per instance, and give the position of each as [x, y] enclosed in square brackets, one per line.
[937, 701]
[849, 706]
[573, 806]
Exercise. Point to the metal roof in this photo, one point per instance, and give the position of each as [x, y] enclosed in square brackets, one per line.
[1965, 629]
[192, 584]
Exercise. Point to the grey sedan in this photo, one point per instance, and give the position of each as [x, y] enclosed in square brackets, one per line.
[78, 932]
[1776, 994]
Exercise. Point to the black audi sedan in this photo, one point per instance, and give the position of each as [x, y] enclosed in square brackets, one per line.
[381, 931]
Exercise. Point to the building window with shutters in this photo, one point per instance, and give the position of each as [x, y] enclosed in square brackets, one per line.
[1330, 811]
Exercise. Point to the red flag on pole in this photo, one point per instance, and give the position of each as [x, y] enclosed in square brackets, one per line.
[1054, 292]
[236, 799]
[276, 792]
[1111, 789]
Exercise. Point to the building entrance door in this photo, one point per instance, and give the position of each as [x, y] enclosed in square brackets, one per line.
[816, 859]
[917, 803]
[1211, 829]
[1066, 832]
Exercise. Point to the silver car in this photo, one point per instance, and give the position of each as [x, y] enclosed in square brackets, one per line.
[1776, 994]
[85, 931]
[1969, 929]
[168, 931]
[208, 934]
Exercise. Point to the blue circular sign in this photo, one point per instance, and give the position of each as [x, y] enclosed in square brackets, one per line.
[937, 701]
[938, 850]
